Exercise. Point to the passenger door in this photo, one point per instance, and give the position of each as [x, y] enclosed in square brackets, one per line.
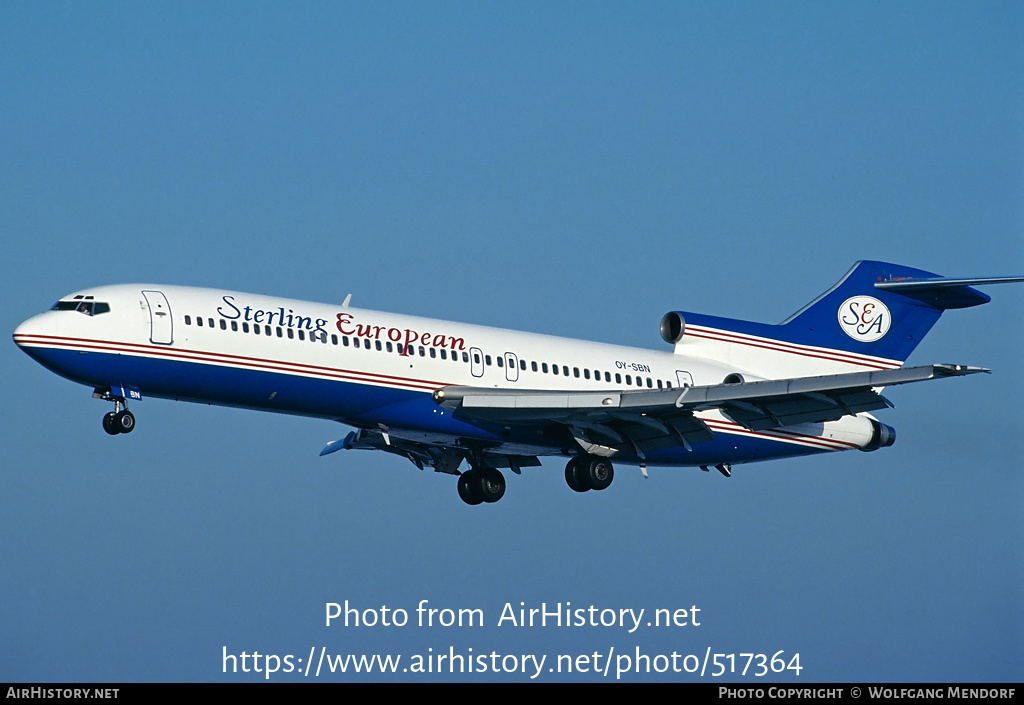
[161, 325]
[511, 367]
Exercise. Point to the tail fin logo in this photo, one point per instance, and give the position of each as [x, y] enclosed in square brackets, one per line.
[864, 318]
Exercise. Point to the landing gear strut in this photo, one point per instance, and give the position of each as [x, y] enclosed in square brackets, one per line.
[481, 485]
[589, 472]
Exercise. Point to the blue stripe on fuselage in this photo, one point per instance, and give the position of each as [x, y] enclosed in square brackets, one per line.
[357, 404]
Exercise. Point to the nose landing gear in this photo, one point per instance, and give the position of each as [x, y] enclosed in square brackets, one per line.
[116, 422]
[120, 420]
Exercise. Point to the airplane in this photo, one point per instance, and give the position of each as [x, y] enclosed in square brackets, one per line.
[442, 394]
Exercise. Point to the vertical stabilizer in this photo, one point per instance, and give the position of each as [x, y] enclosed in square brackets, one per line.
[873, 318]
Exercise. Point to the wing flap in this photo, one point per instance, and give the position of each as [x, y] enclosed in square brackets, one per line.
[504, 406]
[812, 407]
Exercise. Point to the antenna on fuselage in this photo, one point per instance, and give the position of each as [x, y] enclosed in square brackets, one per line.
[345, 303]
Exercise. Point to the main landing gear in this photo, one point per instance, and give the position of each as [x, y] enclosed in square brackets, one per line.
[481, 485]
[589, 472]
[586, 472]
[120, 420]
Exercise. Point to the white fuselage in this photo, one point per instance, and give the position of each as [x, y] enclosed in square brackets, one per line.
[372, 368]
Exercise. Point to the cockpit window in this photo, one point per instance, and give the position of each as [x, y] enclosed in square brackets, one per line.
[82, 304]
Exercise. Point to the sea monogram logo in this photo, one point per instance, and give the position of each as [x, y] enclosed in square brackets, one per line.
[864, 318]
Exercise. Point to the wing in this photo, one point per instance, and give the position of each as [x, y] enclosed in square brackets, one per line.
[442, 452]
[663, 418]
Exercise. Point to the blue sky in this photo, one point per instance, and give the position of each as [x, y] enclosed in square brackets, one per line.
[575, 169]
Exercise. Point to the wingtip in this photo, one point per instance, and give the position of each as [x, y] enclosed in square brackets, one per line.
[954, 370]
[335, 446]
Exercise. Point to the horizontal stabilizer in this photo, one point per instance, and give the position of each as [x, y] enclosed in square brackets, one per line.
[944, 292]
[936, 282]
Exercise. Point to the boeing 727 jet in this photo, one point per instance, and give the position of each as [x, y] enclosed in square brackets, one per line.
[450, 395]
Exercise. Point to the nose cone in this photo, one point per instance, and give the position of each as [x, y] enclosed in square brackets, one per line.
[36, 335]
[28, 332]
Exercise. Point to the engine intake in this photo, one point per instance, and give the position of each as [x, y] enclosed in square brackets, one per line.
[673, 325]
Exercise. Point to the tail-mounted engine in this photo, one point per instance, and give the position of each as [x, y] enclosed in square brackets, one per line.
[882, 436]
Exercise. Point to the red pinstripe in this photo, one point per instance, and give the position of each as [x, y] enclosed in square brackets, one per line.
[877, 363]
[226, 358]
[353, 375]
